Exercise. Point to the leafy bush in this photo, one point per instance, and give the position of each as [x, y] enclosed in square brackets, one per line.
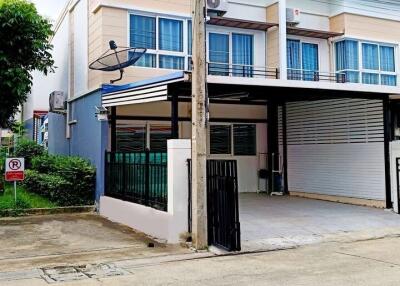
[62, 179]
[28, 150]
[45, 164]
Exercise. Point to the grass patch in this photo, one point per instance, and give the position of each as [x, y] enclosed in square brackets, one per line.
[25, 199]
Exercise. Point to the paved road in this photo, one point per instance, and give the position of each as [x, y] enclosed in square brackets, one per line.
[369, 262]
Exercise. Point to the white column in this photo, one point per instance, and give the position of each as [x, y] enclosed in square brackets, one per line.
[179, 151]
[282, 40]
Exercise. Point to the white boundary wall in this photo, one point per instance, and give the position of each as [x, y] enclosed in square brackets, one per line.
[163, 225]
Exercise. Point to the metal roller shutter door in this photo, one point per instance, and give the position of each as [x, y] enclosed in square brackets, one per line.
[336, 147]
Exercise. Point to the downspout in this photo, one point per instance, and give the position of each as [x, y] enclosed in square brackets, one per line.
[282, 40]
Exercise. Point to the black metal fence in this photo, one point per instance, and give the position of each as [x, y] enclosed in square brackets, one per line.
[139, 177]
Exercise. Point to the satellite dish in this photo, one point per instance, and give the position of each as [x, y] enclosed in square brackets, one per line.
[117, 58]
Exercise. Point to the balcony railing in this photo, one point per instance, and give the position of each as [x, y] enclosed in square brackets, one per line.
[237, 70]
[309, 75]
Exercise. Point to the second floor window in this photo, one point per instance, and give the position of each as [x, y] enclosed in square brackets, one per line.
[302, 60]
[219, 54]
[163, 38]
[365, 62]
[231, 54]
[170, 35]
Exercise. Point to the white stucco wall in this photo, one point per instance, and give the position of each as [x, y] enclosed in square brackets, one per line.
[246, 11]
[59, 80]
[44, 85]
[168, 225]
[81, 47]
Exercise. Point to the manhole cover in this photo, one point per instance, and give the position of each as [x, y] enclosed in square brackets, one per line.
[73, 273]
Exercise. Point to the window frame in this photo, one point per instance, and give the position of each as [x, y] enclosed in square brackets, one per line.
[361, 70]
[157, 51]
[232, 153]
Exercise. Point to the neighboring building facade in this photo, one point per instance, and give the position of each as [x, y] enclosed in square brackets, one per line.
[313, 99]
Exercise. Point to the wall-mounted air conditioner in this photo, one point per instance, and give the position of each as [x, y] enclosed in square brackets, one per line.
[57, 101]
[218, 7]
[293, 16]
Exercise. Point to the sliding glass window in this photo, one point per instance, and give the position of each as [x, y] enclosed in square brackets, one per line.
[242, 55]
[302, 60]
[170, 34]
[377, 62]
[143, 32]
[293, 59]
[347, 62]
[219, 54]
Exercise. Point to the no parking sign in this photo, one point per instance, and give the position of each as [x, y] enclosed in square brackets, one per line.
[15, 168]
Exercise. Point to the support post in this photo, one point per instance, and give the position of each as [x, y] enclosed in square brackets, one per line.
[282, 40]
[175, 117]
[113, 129]
[273, 144]
[387, 124]
[199, 159]
[285, 150]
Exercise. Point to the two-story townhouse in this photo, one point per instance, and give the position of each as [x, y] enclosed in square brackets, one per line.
[300, 92]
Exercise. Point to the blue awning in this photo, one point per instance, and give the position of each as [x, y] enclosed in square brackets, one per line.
[150, 90]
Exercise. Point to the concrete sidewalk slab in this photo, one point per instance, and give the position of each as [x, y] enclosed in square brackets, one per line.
[57, 240]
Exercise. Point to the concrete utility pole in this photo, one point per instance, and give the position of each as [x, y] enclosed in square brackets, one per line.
[199, 133]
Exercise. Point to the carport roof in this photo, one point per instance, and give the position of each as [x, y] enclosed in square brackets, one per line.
[236, 90]
[149, 90]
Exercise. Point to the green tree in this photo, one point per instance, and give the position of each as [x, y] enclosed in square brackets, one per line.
[24, 47]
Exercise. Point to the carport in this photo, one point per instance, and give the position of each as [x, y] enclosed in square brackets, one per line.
[325, 142]
[328, 156]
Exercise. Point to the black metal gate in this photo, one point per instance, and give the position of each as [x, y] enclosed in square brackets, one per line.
[223, 204]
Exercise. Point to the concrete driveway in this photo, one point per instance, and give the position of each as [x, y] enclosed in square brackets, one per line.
[281, 222]
[57, 240]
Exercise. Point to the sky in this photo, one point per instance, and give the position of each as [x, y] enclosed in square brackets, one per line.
[49, 8]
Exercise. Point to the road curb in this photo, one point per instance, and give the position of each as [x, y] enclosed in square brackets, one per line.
[46, 211]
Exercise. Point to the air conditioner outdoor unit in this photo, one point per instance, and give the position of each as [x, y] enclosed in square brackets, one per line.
[292, 16]
[57, 102]
[218, 7]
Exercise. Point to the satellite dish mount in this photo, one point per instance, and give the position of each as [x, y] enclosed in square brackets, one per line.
[117, 59]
